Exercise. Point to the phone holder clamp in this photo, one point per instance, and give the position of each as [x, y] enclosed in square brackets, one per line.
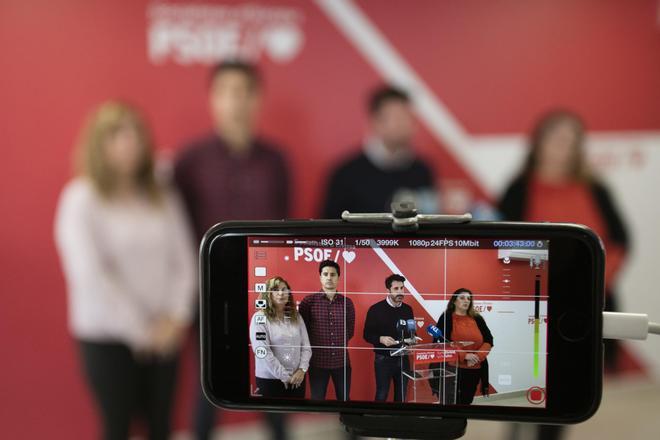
[404, 217]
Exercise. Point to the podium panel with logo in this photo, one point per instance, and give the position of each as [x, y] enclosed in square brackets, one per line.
[433, 366]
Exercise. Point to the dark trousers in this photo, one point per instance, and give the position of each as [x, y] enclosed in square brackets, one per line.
[123, 388]
[204, 416]
[468, 379]
[275, 388]
[390, 369]
[341, 379]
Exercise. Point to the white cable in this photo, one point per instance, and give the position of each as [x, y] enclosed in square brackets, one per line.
[628, 326]
[654, 328]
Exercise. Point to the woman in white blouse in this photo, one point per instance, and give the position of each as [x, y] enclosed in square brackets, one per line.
[129, 262]
[280, 343]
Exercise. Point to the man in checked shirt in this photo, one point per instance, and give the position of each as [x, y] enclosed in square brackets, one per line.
[330, 320]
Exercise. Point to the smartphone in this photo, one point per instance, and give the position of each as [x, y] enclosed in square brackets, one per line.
[489, 320]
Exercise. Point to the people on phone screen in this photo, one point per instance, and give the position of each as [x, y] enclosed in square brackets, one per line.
[280, 343]
[461, 324]
[383, 330]
[330, 320]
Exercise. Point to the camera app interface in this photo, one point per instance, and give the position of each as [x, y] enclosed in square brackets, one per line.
[445, 320]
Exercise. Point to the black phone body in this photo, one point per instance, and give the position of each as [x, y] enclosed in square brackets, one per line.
[545, 364]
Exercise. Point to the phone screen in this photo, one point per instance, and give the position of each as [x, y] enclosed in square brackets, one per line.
[414, 320]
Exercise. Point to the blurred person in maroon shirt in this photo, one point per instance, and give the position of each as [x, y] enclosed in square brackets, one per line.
[232, 174]
[556, 185]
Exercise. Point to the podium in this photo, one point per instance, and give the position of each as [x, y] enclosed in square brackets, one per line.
[433, 365]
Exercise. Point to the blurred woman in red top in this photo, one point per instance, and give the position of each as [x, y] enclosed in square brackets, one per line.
[556, 185]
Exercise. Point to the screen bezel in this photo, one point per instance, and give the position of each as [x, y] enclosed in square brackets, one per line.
[575, 284]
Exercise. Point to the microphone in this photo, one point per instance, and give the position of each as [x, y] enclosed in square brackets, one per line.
[401, 326]
[411, 327]
[410, 324]
[435, 332]
[412, 332]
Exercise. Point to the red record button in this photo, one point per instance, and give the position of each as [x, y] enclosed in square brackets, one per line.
[536, 395]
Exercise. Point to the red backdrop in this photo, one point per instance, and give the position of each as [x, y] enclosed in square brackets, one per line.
[496, 65]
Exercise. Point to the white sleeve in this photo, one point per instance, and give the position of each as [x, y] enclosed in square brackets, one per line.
[183, 262]
[96, 296]
[272, 363]
[305, 347]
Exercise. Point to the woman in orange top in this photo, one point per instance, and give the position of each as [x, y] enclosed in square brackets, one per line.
[461, 322]
[556, 185]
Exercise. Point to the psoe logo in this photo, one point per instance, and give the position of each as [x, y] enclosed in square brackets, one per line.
[202, 33]
[483, 307]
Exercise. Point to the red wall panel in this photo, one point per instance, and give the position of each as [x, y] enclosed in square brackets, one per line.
[495, 65]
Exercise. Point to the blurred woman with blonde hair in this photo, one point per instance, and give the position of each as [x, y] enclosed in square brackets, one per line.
[128, 258]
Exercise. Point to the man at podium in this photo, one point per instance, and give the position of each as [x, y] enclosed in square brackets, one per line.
[386, 328]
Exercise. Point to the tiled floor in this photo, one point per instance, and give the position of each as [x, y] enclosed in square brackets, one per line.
[630, 410]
